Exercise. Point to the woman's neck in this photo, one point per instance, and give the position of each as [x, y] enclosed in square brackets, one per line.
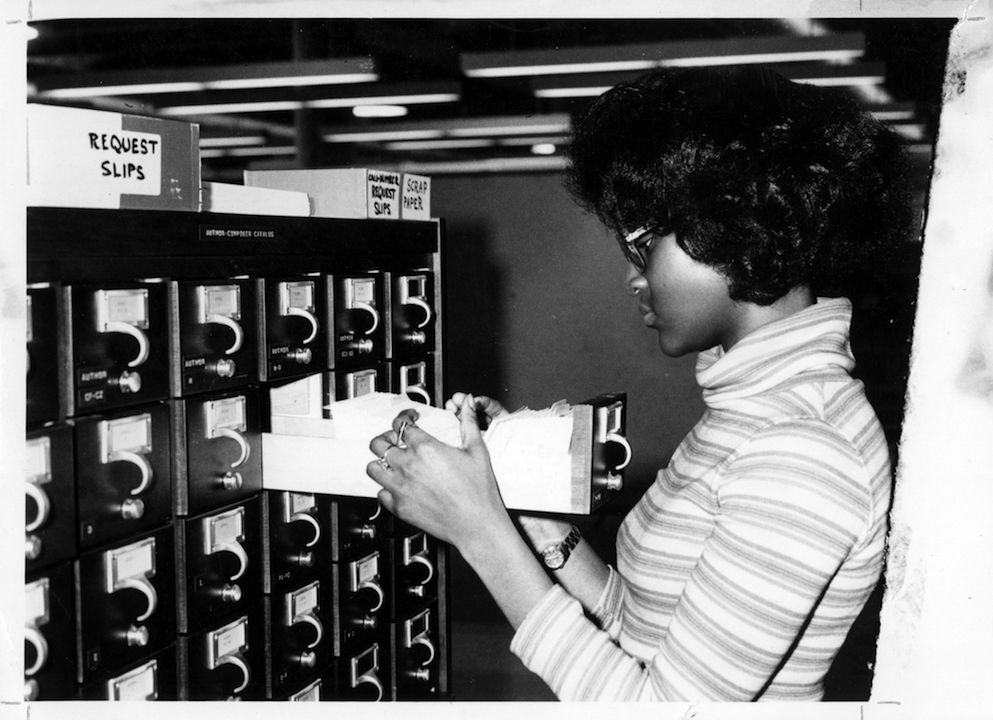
[751, 317]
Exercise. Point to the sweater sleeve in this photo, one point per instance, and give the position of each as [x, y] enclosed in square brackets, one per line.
[791, 506]
[607, 610]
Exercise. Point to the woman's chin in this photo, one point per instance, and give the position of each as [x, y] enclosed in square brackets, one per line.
[669, 345]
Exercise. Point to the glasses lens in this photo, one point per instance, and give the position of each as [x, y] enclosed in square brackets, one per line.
[633, 247]
[630, 254]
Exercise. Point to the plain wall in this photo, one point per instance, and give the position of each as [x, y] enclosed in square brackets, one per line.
[537, 311]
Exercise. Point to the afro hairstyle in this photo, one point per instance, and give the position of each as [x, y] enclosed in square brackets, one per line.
[773, 183]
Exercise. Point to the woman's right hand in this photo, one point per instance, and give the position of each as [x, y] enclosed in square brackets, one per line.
[491, 409]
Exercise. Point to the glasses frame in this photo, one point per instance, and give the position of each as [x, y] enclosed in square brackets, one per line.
[635, 246]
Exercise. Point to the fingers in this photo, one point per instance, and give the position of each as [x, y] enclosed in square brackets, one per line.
[454, 403]
[405, 432]
[486, 405]
[387, 500]
[381, 443]
[395, 443]
[491, 407]
[405, 417]
[469, 423]
[385, 475]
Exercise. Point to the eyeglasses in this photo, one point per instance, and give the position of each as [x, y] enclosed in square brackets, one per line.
[636, 244]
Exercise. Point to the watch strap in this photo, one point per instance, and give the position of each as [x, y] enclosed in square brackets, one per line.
[562, 548]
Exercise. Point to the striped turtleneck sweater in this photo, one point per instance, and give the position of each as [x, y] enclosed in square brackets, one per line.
[742, 568]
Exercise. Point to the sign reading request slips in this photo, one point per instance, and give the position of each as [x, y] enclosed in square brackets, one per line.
[96, 151]
[91, 158]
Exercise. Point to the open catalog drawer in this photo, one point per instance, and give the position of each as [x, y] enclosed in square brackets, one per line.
[563, 459]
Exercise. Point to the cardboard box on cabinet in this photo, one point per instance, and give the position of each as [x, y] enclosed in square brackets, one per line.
[357, 193]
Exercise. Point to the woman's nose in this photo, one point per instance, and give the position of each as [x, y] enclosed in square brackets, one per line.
[635, 281]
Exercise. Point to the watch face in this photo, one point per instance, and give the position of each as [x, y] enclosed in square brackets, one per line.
[554, 557]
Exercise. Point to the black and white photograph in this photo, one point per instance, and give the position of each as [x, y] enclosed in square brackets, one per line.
[446, 356]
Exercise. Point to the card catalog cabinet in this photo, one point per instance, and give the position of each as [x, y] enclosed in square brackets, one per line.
[157, 567]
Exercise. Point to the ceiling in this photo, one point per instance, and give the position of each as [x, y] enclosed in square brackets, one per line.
[454, 131]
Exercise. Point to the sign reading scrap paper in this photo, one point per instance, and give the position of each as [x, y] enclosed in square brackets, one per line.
[416, 197]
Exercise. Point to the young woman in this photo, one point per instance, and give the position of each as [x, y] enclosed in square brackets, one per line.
[737, 197]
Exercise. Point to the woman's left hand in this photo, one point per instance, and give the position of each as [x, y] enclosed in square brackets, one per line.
[450, 493]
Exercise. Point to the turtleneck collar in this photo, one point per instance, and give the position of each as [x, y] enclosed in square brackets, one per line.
[814, 338]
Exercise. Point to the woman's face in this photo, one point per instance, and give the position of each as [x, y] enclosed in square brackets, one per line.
[685, 300]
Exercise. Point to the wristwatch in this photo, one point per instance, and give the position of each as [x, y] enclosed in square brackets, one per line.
[556, 554]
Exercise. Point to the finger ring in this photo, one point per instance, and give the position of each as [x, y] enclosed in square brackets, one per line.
[383, 462]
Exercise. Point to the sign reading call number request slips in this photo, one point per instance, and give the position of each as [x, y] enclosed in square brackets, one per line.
[92, 158]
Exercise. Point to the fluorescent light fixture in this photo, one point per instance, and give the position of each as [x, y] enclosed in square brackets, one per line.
[220, 142]
[505, 130]
[843, 80]
[413, 99]
[543, 149]
[893, 115]
[563, 68]
[452, 144]
[595, 84]
[572, 92]
[840, 57]
[837, 48]
[74, 93]
[533, 140]
[855, 74]
[535, 127]
[527, 125]
[910, 131]
[314, 99]
[290, 81]
[304, 73]
[379, 111]
[248, 151]
[223, 108]
[381, 136]
[490, 165]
